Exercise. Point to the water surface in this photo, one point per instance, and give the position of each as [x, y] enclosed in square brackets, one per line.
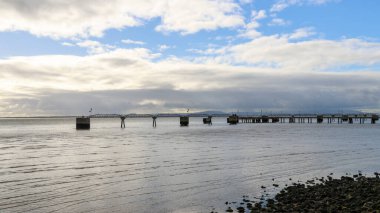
[48, 166]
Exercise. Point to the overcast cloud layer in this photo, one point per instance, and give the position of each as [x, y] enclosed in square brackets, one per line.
[280, 72]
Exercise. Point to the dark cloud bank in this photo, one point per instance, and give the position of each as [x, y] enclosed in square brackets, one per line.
[227, 100]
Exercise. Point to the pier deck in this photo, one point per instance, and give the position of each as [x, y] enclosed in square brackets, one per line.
[235, 119]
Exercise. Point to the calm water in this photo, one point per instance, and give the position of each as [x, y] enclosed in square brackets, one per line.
[48, 166]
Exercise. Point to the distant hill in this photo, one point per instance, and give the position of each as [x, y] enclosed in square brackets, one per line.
[212, 112]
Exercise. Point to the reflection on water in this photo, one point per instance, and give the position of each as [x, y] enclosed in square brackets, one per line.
[48, 166]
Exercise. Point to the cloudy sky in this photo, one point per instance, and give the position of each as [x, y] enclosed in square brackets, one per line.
[63, 57]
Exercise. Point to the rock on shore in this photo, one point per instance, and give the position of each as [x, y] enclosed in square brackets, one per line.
[353, 194]
[347, 194]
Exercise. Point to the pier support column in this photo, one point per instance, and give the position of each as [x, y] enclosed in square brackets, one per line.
[207, 120]
[233, 119]
[122, 123]
[154, 121]
[83, 123]
[344, 118]
[374, 119]
[184, 121]
[320, 119]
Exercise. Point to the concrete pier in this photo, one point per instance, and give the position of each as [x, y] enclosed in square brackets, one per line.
[233, 119]
[320, 119]
[122, 124]
[207, 120]
[154, 121]
[184, 121]
[374, 118]
[83, 123]
[329, 118]
[265, 119]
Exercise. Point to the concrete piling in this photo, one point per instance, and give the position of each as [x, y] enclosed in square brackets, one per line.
[83, 123]
[184, 121]
[265, 119]
[233, 119]
[320, 119]
[374, 118]
[154, 121]
[122, 123]
[207, 120]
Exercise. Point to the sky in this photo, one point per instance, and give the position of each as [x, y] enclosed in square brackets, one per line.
[63, 57]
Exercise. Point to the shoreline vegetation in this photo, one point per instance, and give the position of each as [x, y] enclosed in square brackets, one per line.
[356, 193]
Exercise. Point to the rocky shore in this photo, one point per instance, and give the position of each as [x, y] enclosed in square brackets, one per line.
[355, 193]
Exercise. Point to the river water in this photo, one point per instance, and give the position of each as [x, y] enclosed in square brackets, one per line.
[48, 166]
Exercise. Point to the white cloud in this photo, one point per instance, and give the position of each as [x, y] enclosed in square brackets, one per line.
[246, 1]
[208, 51]
[163, 47]
[278, 22]
[85, 18]
[311, 55]
[250, 30]
[302, 33]
[128, 80]
[95, 47]
[68, 44]
[129, 41]
[190, 17]
[257, 15]
[283, 4]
